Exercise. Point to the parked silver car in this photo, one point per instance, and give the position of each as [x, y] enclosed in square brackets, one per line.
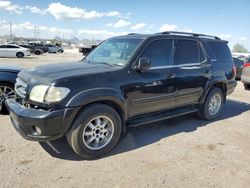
[54, 48]
[245, 77]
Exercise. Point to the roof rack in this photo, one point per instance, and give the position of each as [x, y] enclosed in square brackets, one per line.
[191, 34]
[133, 34]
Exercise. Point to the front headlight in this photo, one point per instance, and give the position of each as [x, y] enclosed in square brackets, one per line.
[43, 93]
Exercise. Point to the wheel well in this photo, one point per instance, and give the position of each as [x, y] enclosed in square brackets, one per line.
[19, 53]
[223, 87]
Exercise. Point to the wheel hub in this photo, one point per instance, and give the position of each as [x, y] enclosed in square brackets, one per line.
[98, 132]
[214, 104]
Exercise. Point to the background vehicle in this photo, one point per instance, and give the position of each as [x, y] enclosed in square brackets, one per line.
[33, 50]
[52, 48]
[239, 65]
[8, 75]
[245, 77]
[126, 81]
[12, 50]
[40, 46]
[86, 50]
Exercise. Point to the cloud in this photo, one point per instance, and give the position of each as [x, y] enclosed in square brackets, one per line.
[109, 24]
[61, 12]
[100, 34]
[226, 36]
[121, 23]
[35, 10]
[138, 26]
[2, 21]
[243, 38]
[167, 27]
[26, 29]
[8, 6]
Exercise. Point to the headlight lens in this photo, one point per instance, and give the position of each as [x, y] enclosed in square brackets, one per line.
[56, 94]
[43, 93]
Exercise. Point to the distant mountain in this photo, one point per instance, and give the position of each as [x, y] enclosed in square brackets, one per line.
[75, 40]
[58, 38]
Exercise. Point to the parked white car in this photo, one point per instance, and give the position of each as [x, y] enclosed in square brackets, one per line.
[12, 50]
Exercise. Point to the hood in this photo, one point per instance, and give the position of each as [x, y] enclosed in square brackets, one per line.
[51, 72]
[8, 68]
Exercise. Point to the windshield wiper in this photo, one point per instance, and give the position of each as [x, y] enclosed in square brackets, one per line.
[104, 63]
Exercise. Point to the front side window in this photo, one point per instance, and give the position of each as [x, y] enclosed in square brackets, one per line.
[159, 52]
[114, 52]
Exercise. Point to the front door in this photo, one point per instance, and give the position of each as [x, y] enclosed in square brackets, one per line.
[155, 89]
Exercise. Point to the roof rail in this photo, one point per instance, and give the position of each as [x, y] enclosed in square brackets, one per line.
[133, 34]
[192, 34]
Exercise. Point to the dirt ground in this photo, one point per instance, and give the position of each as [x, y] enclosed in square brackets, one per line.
[181, 152]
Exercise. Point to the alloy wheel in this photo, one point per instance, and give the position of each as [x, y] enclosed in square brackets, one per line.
[98, 132]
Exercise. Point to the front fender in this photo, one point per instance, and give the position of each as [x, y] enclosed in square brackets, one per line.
[98, 94]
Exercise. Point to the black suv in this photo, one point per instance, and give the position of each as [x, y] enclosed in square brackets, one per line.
[125, 81]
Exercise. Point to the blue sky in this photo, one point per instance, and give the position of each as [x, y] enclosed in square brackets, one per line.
[97, 19]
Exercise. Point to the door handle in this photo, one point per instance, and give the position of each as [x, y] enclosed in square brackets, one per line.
[171, 75]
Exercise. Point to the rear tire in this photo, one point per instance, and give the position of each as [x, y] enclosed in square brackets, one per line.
[19, 55]
[213, 104]
[37, 52]
[95, 131]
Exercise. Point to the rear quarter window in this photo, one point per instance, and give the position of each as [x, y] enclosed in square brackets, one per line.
[220, 50]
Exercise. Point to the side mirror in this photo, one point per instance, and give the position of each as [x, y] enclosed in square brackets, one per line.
[143, 64]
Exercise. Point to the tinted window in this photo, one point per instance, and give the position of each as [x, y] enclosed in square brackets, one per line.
[2, 46]
[202, 55]
[188, 52]
[10, 46]
[160, 52]
[220, 50]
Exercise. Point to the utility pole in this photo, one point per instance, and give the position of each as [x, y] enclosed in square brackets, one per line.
[36, 32]
[11, 30]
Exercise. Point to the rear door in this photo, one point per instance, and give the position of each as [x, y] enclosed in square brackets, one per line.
[194, 71]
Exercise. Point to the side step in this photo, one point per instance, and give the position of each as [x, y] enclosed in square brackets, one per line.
[145, 119]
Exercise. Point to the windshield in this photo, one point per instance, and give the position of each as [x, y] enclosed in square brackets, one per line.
[113, 52]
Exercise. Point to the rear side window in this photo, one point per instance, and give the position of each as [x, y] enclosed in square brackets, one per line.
[189, 51]
[220, 50]
[160, 52]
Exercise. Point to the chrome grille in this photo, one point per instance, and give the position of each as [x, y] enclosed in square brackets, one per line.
[20, 88]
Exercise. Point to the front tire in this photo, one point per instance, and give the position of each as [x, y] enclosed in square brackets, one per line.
[213, 104]
[95, 131]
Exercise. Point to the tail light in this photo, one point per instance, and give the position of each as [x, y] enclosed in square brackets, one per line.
[234, 69]
[247, 64]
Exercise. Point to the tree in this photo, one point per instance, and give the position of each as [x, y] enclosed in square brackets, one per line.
[239, 48]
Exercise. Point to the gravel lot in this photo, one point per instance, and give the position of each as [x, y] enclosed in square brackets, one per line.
[182, 152]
